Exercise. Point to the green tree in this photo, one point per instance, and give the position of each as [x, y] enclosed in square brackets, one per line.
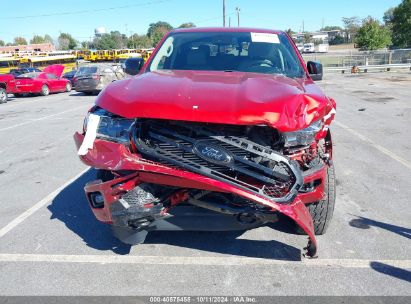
[337, 40]
[389, 16]
[351, 27]
[37, 39]
[401, 24]
[104, 42]
[66, 42]
[187, 25]
[156, 31]
[139, 42]
[2, 43]
[113, 40]
[290, 32]
[372, 35]
[119, 39]
[308, 38]
[85, 45]
[331, 28]
[19, 41]
[48, 39]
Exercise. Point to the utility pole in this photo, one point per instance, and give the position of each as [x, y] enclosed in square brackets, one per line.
[223, 13]
[238, 16]
[229, 21]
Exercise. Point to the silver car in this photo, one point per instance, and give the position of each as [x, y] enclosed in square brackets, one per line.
[93, 78]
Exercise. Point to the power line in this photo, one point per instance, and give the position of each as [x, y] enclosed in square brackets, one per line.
[88, 11]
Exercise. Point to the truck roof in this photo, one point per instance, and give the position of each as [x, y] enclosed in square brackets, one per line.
[225, 29]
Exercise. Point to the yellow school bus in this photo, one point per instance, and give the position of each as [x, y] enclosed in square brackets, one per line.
[90, 55]
[69, 61]
[7, 63]
[102, 55]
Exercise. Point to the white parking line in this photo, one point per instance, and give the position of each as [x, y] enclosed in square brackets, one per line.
[18, 220]
[211, 261]
[375, 145]
[41, 118]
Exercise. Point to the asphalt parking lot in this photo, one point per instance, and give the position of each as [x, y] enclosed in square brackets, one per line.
[50, 243]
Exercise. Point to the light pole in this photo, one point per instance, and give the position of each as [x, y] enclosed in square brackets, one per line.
[223, 13]
[238, 16]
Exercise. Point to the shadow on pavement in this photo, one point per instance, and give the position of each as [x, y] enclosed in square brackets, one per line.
[392, 271]
[71, 207]
[226, 243]
[82, 94]
[365, 223]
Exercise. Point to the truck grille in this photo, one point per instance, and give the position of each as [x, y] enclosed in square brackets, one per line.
[221, 152]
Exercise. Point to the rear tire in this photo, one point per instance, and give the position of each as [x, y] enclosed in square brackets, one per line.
[323, 210]
[3, 95]
[45, 90]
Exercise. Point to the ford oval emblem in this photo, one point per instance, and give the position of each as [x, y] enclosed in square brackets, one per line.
[212, 153]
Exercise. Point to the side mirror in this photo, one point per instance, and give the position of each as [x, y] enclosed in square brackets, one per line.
[133, 66]
[315, 69]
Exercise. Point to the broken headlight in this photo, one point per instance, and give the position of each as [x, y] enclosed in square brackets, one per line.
[110, 126]
[302, 137]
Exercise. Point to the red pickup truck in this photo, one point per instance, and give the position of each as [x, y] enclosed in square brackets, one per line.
[226, 122]
[7, 86]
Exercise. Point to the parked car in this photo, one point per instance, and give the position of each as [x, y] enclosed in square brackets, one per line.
[300, 47]
[7, 86]
[309, 48]
[205, 139]
[20, 71]
[43, 83]
[70, 76]
[93, 78]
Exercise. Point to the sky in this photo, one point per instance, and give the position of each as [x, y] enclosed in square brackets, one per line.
[81, 17]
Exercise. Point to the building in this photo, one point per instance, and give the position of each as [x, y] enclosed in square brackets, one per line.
[41, 47]
[320, 37]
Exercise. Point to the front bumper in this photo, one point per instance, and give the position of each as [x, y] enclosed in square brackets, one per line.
[115, 157]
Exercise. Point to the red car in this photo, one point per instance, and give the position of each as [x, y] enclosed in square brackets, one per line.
[43, 83]
[7, 86]
[222, 129]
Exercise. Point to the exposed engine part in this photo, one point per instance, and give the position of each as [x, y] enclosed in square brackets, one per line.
[246, 213]
[232, 154]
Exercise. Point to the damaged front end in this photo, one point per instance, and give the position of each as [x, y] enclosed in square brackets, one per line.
[248, 174]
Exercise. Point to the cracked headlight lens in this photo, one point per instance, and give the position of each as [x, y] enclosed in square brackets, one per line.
[302, 137]
[111, 127]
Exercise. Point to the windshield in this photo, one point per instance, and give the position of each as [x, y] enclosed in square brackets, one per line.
[87, 70]
[29, 75]
[230, 51]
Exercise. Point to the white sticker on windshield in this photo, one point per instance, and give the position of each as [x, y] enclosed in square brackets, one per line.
[91, 133]
[265, 37]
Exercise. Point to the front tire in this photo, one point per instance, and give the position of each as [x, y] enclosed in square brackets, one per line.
[323, 210]
[3, 95]
[68, 87]
[45, 90]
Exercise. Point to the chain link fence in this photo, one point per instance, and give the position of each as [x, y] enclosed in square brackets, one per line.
[355, 58]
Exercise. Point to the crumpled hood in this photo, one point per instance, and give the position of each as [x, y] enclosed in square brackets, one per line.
[218, 97]
[56, 69]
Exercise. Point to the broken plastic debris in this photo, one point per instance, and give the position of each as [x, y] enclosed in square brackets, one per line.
[91, 133]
